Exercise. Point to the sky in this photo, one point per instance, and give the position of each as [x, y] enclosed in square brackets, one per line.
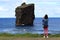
[42, 7]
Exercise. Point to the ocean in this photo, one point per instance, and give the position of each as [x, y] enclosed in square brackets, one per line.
[7, 25]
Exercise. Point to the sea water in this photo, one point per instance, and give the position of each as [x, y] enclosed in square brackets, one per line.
[7, 25]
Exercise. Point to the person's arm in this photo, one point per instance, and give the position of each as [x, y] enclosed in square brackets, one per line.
[43, 22]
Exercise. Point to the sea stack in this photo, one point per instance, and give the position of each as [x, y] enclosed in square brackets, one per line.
[25, 14]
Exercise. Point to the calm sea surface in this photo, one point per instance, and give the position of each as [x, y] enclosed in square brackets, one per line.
[7, 25]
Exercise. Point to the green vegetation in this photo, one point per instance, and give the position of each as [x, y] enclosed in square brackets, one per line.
[20, 35]
[26, 35]
[54, 35]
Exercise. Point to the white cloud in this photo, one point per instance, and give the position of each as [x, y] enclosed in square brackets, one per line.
[24, 1]
[4, 0]
[49, 0]
[3, 9]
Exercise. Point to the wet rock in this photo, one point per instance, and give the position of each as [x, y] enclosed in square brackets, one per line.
[25, 14]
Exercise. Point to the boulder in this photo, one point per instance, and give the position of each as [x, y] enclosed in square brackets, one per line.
[25, 14]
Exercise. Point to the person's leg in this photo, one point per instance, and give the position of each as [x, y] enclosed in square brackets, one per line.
[44, 33]
[46, 30]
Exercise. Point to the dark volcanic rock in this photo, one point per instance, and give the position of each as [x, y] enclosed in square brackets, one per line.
[25, 14]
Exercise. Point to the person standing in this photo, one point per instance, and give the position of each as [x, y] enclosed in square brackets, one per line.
[45, 26]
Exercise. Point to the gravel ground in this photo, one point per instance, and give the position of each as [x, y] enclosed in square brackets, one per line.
[25, 38]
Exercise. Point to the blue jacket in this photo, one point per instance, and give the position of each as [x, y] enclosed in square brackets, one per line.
[45, 22]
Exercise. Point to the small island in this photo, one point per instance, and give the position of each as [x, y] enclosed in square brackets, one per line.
[25, 14]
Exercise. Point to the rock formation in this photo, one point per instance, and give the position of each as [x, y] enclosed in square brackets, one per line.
[25, 14]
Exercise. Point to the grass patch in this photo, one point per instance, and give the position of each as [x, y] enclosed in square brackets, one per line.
[20, 35]
[54, 35]
[26, 35]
